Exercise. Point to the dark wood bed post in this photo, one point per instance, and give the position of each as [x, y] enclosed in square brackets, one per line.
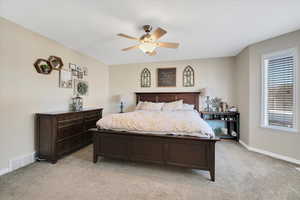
[183, 151]
[96, 147]
[212, 161]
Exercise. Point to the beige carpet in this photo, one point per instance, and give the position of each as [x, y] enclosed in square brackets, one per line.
[240, 174]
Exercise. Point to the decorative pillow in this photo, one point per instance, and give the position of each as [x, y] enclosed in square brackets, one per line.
[172, 106]
[139, 105]
[188, 107]
[151, 106]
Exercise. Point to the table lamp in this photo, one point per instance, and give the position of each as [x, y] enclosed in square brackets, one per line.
[121, 100]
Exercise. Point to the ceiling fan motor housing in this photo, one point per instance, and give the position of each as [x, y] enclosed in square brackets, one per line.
[147, 28]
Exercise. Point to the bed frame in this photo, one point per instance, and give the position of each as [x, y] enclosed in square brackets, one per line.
[183, 151]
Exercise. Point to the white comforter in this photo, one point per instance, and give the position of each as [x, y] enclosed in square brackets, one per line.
[162, 122]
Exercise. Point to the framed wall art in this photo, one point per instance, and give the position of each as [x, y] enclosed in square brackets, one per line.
[65, 79]
[81, 87]
[166, 77]
[55, 62]
[188, 77]
[72, 68]
[146, 78]
[42, 66]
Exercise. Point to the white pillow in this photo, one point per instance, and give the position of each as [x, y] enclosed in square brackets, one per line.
[139, 105]
[172, 106]
[188, 107]
[151, 106]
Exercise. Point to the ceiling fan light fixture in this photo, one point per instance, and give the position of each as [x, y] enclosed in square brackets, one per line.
[147, 47]
[149, 41]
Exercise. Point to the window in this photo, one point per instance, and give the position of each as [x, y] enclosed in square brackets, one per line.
[279, 90]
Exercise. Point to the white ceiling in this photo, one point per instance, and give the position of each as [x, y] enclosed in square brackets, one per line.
[204, 28]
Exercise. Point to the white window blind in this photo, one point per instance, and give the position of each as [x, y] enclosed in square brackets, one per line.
[279, 90]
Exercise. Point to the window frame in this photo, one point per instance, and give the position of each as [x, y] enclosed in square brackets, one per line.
[264, 86]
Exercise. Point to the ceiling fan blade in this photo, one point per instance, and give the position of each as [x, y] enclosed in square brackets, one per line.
[127, 36]
[129, 48]
[158, 33]
[168, 44]
[153, 53]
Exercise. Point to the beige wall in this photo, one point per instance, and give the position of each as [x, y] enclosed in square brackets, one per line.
[242, 93]
[24, 92]
[216, 74]
[275, 141]
[284, 143]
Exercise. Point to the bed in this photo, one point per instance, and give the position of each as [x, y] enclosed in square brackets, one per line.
[179, 150]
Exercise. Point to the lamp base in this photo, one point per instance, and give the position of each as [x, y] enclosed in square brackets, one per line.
[121, 107]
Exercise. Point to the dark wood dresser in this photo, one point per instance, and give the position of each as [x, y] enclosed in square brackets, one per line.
[61, 133]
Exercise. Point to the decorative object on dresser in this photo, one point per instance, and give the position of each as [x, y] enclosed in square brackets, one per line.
[231, 122]
[42, 66]
[184, 151]
[146, 78]
[166, 77]
[77, 103]
[61, 133]
[55, 62]
[188, 76]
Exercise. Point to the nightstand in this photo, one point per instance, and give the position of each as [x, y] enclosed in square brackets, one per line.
[231, 122]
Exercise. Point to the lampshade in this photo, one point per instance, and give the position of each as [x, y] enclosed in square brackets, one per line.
[121, 98]
[203, 92]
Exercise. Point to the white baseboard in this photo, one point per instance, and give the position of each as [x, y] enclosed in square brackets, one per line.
[18, 162]
[271, 154]
[244, 144]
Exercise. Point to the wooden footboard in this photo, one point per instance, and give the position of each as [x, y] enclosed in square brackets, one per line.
[190, 152]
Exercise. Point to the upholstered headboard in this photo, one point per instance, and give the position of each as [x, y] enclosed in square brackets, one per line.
[187, 97]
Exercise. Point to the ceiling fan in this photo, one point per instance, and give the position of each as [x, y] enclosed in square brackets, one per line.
[148, 42]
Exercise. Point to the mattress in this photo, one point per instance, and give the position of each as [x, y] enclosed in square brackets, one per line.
[185, 123]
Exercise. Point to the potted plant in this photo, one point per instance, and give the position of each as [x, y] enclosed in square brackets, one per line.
[45, 68]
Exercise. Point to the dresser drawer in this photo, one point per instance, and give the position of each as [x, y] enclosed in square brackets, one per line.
[69, 145]
[69, 122]
[69, 117]
[69, 131]
[91, 118]
[93, 114]
[91, 123]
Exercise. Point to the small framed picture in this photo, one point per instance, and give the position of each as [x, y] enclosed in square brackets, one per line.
[73, 69]
[85, 71]
[65, 79]
[80, 75]
[79, 68]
